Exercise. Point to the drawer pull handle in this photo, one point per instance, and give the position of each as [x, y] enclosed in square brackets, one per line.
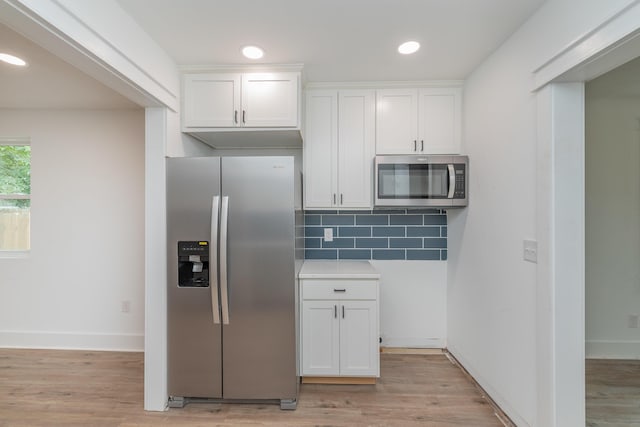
[335, 311]
[339, 290]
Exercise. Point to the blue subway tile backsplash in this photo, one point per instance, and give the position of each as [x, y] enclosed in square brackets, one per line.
[372, 219]
[424, 254]
[355, 231]
[424, 231]
[312, 219]
[406, 219]
[354, 254]
[372, 242]
[337, 220]
[408, 242]
[340, 242]
[388, 254]
[389, 231]
[320, 254]
[391, 234]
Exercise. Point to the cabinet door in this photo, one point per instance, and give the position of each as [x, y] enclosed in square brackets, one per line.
[211, 100]
[320, 149]
[439, 120]
[320, 338]
[270, 100]
[359, 345]
[396, 121]
[356, 133]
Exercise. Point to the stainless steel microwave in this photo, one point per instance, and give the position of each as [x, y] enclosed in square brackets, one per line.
[413, 181]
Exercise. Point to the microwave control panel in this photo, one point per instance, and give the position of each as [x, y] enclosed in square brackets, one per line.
[461, 178]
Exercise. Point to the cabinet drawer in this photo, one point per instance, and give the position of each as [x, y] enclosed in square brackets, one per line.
[340, 289]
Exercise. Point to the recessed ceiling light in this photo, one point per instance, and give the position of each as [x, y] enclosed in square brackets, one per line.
[252, 52]
[13, 60]
[409, 47]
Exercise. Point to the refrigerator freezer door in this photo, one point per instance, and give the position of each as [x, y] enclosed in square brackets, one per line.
[259, 343]
[194, 353]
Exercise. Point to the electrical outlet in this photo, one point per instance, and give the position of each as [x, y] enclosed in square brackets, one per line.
[328, 234]
[530, 251]
[125, 307]
[632, 321]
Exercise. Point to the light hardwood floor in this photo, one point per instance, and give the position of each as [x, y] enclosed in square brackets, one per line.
[613, 393]
[77, 388]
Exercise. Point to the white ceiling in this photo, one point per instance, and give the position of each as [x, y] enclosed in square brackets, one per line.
[336, 40]
[48, 82]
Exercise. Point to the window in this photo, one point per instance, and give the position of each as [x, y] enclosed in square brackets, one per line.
[15, 194]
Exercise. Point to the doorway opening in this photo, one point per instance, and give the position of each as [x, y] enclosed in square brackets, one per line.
[612, 246]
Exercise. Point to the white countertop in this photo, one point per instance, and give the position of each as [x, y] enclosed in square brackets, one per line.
[347, 269]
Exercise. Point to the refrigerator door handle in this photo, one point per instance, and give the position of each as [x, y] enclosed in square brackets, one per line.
[224, 285]
[213, 263]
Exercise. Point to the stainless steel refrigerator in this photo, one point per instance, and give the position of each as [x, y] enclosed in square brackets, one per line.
[232, 291]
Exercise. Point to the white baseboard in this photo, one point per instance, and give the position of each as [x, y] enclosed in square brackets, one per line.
[71, 341]
[601, 349]
[413, 342]
[499, 400]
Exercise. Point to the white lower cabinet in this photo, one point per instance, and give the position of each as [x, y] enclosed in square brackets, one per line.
[340, 328]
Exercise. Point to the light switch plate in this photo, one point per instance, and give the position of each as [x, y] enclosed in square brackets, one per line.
[530, 251]
[328, 234]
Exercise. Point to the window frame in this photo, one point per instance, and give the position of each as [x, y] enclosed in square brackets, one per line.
[17, 253]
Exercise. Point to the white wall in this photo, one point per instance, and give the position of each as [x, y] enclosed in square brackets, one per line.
[87, 234]
[612, 225]
[413, 303]
[491, 304]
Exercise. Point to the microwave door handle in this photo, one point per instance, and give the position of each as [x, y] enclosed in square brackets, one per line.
[452, 181]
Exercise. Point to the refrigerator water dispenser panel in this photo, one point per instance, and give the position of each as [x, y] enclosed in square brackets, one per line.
[193, 264]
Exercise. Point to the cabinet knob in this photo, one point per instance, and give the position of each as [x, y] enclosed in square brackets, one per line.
[235, 116]
[339, 290]
[243, 116]
[422, 145]
[415, 145]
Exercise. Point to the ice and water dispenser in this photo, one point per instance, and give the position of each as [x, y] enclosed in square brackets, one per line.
[193, 264]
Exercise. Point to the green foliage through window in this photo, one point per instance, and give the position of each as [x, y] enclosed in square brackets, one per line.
[15, 172]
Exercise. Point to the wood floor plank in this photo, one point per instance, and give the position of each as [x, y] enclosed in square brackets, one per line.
[613, 393]
[78, 388]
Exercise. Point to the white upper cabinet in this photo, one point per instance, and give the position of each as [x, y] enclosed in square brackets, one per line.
[211, 100]
[396, 121]
[249, 100]
[338, 148]
[439, 120]
[356, 136]
[269, 100]
[418, 121]
[320, 148]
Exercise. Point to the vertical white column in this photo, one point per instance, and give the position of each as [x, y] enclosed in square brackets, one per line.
[560, 227]
[155, 337]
